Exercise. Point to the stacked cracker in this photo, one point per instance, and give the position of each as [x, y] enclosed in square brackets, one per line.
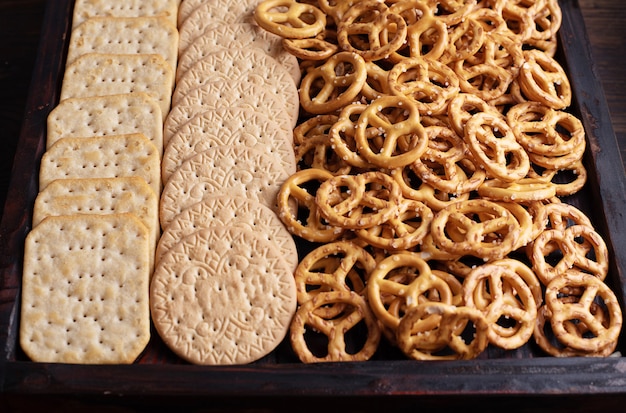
[90, 254]
[223, 290]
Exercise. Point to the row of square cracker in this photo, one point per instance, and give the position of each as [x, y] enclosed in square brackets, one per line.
[90, 254]
[227, 151]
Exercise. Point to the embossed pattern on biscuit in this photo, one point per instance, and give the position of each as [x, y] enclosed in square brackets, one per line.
[229, 210]
[228, 169]
[222, 296]
[228, 126]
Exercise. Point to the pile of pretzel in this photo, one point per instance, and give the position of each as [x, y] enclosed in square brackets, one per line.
[434, 145]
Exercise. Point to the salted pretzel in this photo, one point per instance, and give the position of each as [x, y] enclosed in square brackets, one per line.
[567, 180]
[429, 83]
[355, 312]
[312, 145]
[334, 84]
[445, 162]
[553, 138]
[413, 187]
[401, 281]
[601, 335]
[404, 138]
[522, 190]
[419, 339]
[298, 210]
[560, 215]
[494, 146]
[463, 106]
[335, 266]
[490, 20]
[476, 227]
[548, 20]
[376, 84]
[371, 30]
[290, 19]
[320, 47]
[427, 36]
[358, 201]
[402, 231]
[452, 12]
[336, 9]
[342, 139]
[545, 339]
[578, 247]
[544, 80]
[509, 297]
[464, 40]
[489, 72]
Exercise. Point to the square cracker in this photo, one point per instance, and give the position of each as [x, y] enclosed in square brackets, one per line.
[102, 157]
[85, 296]
[101, 196]
[85, 9]
[106, 115]
[102, 74]
[125, 35]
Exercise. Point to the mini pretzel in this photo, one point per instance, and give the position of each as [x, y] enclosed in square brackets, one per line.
[413, 187]
[489, 72]
[476, 227]
[334, 84]
[336, 266]
[429, 83]
[528, 228]
[390, 295]
[545, 131]
[427, 36]
[560, 215]
[542, 79]
[523, 190]
[419, 339]
[463, 106]
[312, 146]
[336, 9]
[370, 29]
[509, 297]
[464, 40]
[578, 246]
[290, 19]
[441, 164]
[547, 21]
[295, 200]
[453, 12]
[355, 311]
[376, 84]
[594, 291]
[342, 136]
[404, 138]
[403, 231]
[494, 146]
[544, 337]
[312, 48]
[567, 180]
[358, 201]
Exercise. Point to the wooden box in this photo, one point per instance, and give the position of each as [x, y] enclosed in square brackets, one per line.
[518, 380]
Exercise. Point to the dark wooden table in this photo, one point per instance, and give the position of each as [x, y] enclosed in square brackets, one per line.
[20, 24]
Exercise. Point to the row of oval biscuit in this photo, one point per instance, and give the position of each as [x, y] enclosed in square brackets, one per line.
[90, 255]
[227, 151]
